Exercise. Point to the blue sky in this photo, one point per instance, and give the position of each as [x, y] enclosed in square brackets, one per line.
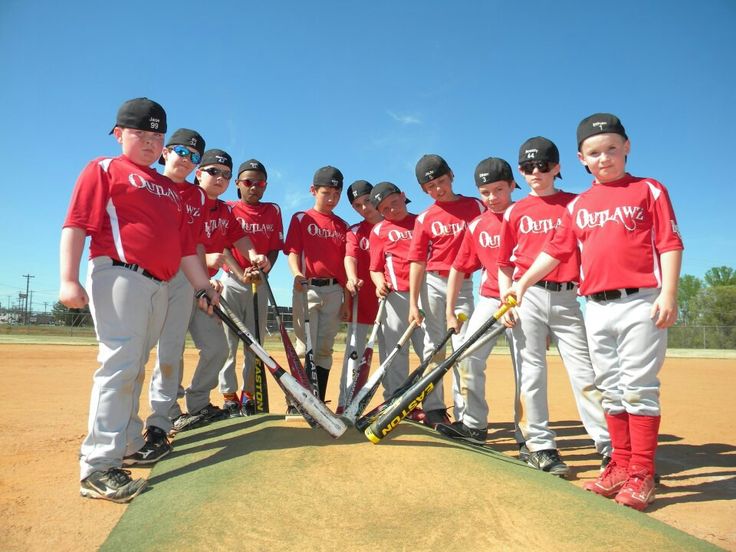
[369, 88]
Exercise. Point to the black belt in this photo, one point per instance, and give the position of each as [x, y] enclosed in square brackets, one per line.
[555, 286]
[612, 294]
[135, 268]
[319, 282]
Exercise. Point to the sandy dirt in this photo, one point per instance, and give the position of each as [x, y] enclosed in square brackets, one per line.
[45, 396]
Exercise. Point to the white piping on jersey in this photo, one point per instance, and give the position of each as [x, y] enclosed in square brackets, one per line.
[391, 271]
[473, 224]
[655, 259]
[571, 205]
[656, 192]
[377, 228]
[113, 215]
[507, 212]
[421, 216]
[115, 227]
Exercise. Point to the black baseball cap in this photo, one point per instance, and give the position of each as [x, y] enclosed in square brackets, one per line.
[141, 114]
[539, 149]
[382, 190]
[252, 165]
[216, 157]
[429, 167]
[185, 137]
[328, 176]
[493, 169]
[357, 189]
[599, 123]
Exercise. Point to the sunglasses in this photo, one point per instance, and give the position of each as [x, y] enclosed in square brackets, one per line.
[248, 183]
[212, 171]
[181, 151]
[528, 166]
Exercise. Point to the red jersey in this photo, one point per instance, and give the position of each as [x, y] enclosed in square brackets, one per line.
[319, 240]
[390, 243]
[438, 232]
[357, 246]
[262, 224]
[194, 200]
[220, 229]
[479, 249]
[620, 229]
[132, 214]
[526, 226]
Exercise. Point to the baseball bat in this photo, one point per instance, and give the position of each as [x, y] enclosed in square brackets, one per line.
[309, 366]
[308, 402]
[361, 374]
[260, 389]
[411, 379]
[352, 367]
[415, 395]
[292, 358]
[365, 393]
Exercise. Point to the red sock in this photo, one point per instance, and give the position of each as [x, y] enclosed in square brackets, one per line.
[644, 431]
[618, 428]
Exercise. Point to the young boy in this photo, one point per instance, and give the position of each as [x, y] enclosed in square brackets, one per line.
[479, 249]
[261, 222]
[359, 283]
[438, 234]
[315, 245]
[139, 239]
[389, 265]
[220, 230]
[551, 310]
[180, 157]
[631, 251]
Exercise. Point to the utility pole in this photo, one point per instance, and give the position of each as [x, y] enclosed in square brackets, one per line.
[28, 286]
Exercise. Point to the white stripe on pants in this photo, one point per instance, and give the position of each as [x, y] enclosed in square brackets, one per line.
[555, 313]
[129, 311]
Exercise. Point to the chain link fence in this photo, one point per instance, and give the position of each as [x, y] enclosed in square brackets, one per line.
[80, 324]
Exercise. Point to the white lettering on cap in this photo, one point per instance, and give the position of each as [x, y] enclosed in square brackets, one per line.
[193, 141]
[483, 177]
[531, 153]
[154, 122]
[220, 159]
[601, 125]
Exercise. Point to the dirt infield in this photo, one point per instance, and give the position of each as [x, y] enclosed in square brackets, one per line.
[45, 397]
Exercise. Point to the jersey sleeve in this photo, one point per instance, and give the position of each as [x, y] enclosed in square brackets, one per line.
[376, 249]
[277, 236]
[419, 248]
[666, 232]
[467, 260]
[561, 242]
[352, 247]
[234, 229]
[89, 198]
[507, 240]
[293, 243]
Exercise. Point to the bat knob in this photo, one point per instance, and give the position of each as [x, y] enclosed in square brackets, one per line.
[354, 355]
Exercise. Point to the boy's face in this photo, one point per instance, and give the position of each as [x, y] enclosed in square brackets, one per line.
[214, 179]
[142, 147]
[325, 197]
[252, 186]
[393, 208]
[177, 167]
[540, 175]
[365, 209]
[605, 156]
[440, 189]
[497, 195]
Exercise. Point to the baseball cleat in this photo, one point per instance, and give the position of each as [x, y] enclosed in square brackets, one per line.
[610, 482]
[549, 461]
[458, 430]
[114, 485]
[638, 491]
[434, 417]
[232, 408]
[156, 447]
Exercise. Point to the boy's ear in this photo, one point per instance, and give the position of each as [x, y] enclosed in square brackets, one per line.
[118, 133]
[313, 190]
[627, 147]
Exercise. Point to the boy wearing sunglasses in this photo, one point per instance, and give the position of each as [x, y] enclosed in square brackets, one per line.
[631, 251]
[139, 239]
[180, 157]
[315, 244]
[220, 230]
[438, 234]
[261, 222]
[551, 310]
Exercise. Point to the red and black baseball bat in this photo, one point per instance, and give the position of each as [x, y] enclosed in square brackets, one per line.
[360, 376]
[392, 416]
[302, 397]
